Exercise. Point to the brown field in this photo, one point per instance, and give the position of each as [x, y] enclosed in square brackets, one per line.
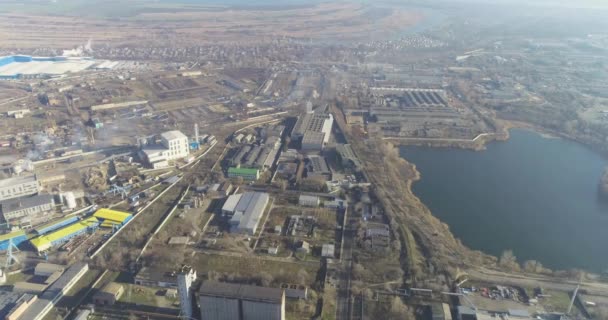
[329, 21]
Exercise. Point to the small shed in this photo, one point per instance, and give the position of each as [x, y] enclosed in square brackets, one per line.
[171, 293]
[308, 201]
[519, 313]
[328, 250]
[295, 291]
[303, 247]
[274, 250]
[179, 240]
[83, 314]
[278, 229]
[109, 294]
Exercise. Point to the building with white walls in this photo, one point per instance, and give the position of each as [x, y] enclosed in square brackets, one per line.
[186, 293]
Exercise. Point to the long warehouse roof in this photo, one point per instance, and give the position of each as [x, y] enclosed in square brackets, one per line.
[43, 242]
[12, 235]
[243, 170]
[55, 224]
[108, 214]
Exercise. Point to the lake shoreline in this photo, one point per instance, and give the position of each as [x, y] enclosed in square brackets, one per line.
[482, 140]
[481, 145]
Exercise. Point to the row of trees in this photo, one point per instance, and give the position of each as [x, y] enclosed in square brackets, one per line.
[508, 262]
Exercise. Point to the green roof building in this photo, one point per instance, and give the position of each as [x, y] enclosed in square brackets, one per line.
[245, 173]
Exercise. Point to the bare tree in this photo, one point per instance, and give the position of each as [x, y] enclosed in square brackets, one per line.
[398, 310]
[266, 278]
[358, 271]
[533, 266]
[302, 277]
[213, 275]
[508, 261]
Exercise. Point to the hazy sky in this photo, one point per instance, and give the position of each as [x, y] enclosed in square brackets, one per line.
[553, 3]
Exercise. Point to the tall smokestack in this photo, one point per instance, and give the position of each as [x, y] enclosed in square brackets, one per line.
[196, 133]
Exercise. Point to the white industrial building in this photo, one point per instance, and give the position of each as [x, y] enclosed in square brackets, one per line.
[245, 211]
[230, 204]
[228, 301]
[177, 143]
[186, 293]
[155, 156]
[173, 145]
[308, 201]
[18, 187]
[314, 129]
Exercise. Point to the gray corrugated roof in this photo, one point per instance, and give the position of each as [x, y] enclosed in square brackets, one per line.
[35, 309]
[221, 289]
[9, 300]
[313, 137]
[231, 202]
[305, 197]
[45, 301]
[16, 204]
[16, 180]
[63, 281]
[261, 293]
[152, 149]
[254, 211]
[241, 291]
[318, 163]
[244, 201]
[519, 313]
[175, 134]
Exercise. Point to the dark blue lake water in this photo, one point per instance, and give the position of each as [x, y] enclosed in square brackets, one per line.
[537, 196]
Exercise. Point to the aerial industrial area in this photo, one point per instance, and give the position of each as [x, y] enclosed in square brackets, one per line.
[251, 171]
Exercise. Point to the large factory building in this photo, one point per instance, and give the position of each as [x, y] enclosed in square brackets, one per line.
[245, 211]
[229, 301]
[314, 130]
[173, 145]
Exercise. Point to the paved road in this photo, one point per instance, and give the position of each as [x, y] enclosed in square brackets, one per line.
[344, 295]
[271, 189]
